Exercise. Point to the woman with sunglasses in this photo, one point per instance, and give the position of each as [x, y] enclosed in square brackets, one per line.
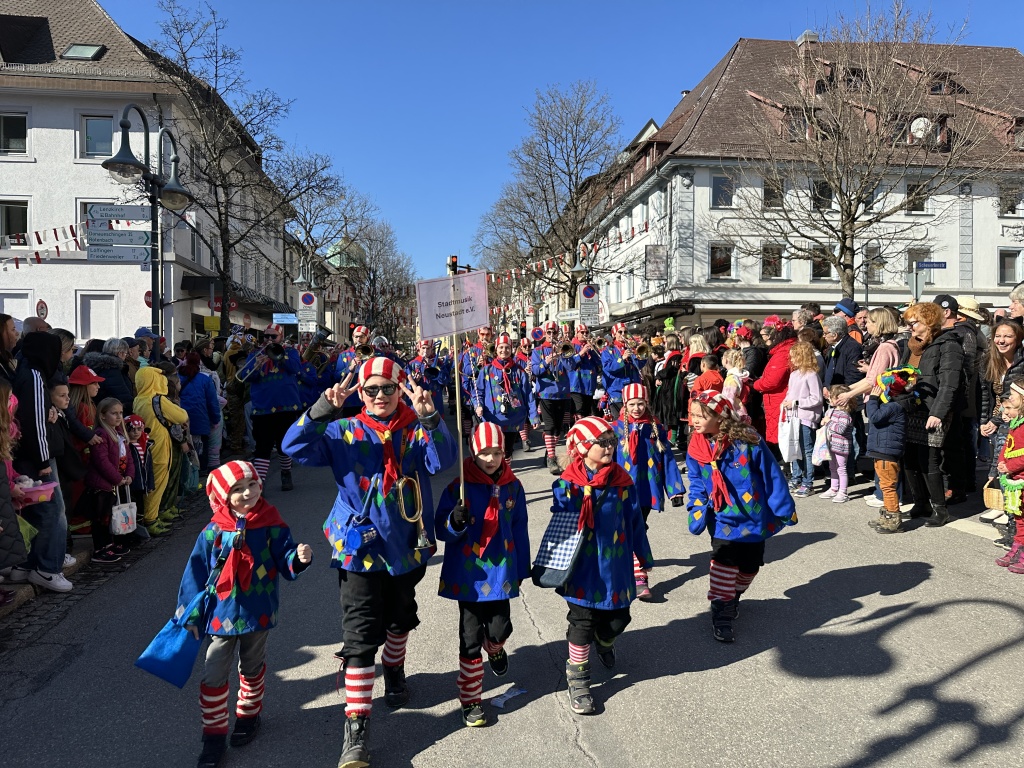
[378, 523]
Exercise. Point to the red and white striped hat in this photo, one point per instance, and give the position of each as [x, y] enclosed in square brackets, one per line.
[487, 435]
[424, 344]
[274, 328]
[634, 392]
[550, 325]
[619, 327]
[584, 432]
[716, 402]
[381, 366]
[582, 328]
[503, 338]
[361, 329]
[218, 484]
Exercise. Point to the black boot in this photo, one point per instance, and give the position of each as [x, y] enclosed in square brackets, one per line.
[721, 621]
[396, 693]
[1009, 532]
[937, 490]
[214, 747]
[354, 753]
[606, 653]
[286, 481]
[245, 730]
[578, 678]
[553, 466]
[918, 487]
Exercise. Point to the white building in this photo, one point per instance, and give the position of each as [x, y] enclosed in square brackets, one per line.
[66, 73]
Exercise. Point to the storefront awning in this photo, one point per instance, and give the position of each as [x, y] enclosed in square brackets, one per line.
[200, 285]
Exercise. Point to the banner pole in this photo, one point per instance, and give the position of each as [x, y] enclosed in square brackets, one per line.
[456, 357]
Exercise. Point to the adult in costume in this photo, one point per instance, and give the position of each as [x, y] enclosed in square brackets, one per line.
[502, 389]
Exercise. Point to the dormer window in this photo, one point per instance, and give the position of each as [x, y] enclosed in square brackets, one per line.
[944, 85]
[83, 52]
[856, 80]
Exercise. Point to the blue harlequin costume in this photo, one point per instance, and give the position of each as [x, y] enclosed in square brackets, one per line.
[504, 382]
[470, 363]
[274, 391]
[649, 461]
[552, 380]
[416, 370]
[583, 377]
[618, 371]
[346, 364]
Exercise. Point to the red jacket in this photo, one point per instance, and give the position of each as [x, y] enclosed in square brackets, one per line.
[104, 470]
[773, 385]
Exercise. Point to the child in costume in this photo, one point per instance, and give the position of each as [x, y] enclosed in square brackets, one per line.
[1011, 479]
[110, 470]
[1005, 414]
[142, 458]
[739, 494]
[840, 444]
[887, 409]
[643, 450]
[158, 413]
[502, 389]
[710, 375]
[253, 547]
[600, 495]
[486, 557]
[378, 525]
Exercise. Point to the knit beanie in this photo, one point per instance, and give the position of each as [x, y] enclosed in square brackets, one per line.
[220, 481]
[487, 435]
[583, 434]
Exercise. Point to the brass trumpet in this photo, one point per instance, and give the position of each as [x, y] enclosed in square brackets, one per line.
[567, 350]
[267, 352]
[364, 352]
[598, 343]
[640, 351]
[422, 540]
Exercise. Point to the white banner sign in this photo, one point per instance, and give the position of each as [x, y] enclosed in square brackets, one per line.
[450, 305]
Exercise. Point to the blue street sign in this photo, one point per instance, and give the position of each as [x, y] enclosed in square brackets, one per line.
[930, 264]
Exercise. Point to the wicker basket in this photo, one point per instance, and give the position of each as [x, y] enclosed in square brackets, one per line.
[992, 495]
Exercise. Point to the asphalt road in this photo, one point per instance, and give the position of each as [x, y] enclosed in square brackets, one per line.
[853, 649]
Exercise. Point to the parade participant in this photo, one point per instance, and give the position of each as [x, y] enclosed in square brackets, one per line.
[142, 457]
[738, 493]
[272, 373]
[643, 450]
[159, 415]
[620, 368]
[583, 377]
[523, 359]
[427, 370]
[348, 362]
[382, 460]
[251, 546]
[502, 389]
[486, 558]
[598, 497]
[551, 375]
[472, 360]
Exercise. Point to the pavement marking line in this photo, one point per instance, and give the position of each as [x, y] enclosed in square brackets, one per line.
[974, 527]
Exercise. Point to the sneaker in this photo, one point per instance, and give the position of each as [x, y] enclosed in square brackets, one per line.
[793, 485]
[498, 663]
[121, 549]
[141, 533]
[18, 575]
[874, 501]
[829, 494]
[105, 556]
[1010, 557]
[52, 581]
[473, 715]
[6, 596]
[245, 730]
[158, 529]
[840, 498]
[802, 492]
[643, 590]
[70, 560]
[214, 747]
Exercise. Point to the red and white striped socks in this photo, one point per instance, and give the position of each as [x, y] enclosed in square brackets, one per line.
[213, 703]
[286, 463]
[639, 574]
[358, 690]
[262, 468]
[579, 654]
[723, 582]
[524, 435]
[743, 581]
[470, 680]
[549, 444]
[250, 694]
[566, 420]
[394, 649]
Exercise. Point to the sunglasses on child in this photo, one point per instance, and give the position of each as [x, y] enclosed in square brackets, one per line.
[605, 442]
[387, 389]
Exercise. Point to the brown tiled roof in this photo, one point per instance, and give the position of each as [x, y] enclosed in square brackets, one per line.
[34, 33]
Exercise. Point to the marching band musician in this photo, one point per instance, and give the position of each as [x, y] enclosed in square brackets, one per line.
[471, 361]
[620, 368]
[382, 461]
[583, 378]
[551, 376]
[348, 363]
[272, 373]
[502, 389]
[523, 358]
[429, 371]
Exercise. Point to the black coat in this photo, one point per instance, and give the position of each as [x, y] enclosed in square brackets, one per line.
[989, 398]
[12, 546]
[670, 398]
[35, 375]
[115, 378]
[755, 359]
[841, 363]
[941, 383]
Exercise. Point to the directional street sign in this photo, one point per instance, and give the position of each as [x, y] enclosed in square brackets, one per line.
[117, 253]
[568, 315]
[118, 237]
[107, 211]
[930, 264]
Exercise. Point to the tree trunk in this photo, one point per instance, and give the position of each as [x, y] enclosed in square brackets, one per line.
[847, 273]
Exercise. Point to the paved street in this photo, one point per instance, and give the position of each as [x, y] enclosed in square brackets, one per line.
[854, 650]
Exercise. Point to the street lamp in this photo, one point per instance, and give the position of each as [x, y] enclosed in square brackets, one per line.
[126, 168]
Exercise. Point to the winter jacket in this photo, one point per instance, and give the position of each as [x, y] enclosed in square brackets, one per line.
[495, 573]
[989, 398]
[618, 371]
[754, 360]
[142, 458]
[12, 545]
[273, 387]
[199, 399]
[32, 381]
[1013, 450]
[355, 454]
[348, 364]
[841, 363]
[760, 503]
[552, 382]
[583, 377]
[115, 378]
[839, 432]
[887, 437]
[998, 439]
[654, 470]
[805, 390]
[773, 384]
[491, 393]
[941, 383]
[708, 380]
[470, 363]
[105, 461]
[970, 398]
[150, 383]
[669, 400]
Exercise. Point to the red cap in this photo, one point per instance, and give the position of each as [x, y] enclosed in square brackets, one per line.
[83, 375]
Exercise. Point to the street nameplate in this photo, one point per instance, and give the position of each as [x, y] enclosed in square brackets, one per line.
[569, 314]
[117, 253]
[118, 237]
[930, 264]
[108, 211]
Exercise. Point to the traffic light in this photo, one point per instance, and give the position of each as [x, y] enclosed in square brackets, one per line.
[453, 265]
[351, 328]
[522, 329]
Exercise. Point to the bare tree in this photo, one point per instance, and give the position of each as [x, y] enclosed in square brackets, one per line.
[235, 164]
[559, 174]
[870, 105]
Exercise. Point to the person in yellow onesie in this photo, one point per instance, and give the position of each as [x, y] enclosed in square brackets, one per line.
[151, 385]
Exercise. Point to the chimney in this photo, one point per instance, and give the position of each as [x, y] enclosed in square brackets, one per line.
[806, 40]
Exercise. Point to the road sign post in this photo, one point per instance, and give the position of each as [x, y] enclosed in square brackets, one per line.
[915, 281]
[590, 299]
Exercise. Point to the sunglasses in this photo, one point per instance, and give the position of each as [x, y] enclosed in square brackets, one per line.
[605, 442]
[387, 389]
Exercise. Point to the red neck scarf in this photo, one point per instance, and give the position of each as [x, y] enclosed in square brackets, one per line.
[474, 474]
[701, 450]
[634, 431]
[238, 566]
[610, 475]
[504, 366]
[400, 419]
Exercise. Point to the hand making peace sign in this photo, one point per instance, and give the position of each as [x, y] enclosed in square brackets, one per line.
[422, 400]
[339, 393]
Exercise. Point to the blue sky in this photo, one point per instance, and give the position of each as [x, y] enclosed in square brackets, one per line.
[420, 101]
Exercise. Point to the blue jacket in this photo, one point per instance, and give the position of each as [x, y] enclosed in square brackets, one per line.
[311, 384]
[841, 363]
[495, 573]
[583, 377]
[240, 612]
[887, 437]
[552, 382]
[761, 503]
[618, 372]
[274, 388]
[416, 370]
[346, 364]
[655, 472]
[144, 480]
[356, 456]
[490, 388]
[470, 363]
[199, 399]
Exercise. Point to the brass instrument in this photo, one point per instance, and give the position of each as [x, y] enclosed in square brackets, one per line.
[246, 370]
[598, 344]
[567, 350]
[364, 352]
[313, 348]
[422, 540]
[642, 351]
[431, 373]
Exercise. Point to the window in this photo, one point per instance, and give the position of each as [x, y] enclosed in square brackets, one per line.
[97, 315]
[914, 255]
[196, 242]
[872, 199]
[16, 303]
[721, 192]
[245, 273]
[874, 265]
[1018, 136]
[1009, 266]
[771, 262]
[821, 263]
[14, 219]
[618, 288]
[629, 285]
[821, 195]
[917, 197]
[83, 52]
[945, 86]
[97, 136]
[1011, 201]
[14, 134]
[901, 132]
[721, 262]
[773, 193]
[796, 126]
[856, 80]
